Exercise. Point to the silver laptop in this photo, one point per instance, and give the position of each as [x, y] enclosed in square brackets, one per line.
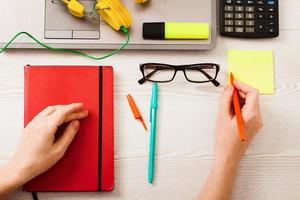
[50, 22]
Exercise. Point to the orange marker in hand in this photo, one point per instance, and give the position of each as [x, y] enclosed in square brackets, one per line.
[237, 110]
[136, 113]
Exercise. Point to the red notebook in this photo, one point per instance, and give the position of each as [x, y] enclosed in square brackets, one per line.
[88, 164]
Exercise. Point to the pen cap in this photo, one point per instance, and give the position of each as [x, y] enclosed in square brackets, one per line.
[134, 109]
[154, 30]
[154, 95]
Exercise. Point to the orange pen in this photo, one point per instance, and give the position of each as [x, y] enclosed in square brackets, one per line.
[136, 113]
[237, 110]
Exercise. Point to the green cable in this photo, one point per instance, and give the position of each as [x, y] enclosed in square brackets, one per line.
[124, 44]
[94, 7]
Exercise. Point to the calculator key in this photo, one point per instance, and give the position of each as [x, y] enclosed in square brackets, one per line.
[250, 2]
[271, 9]
[271, 30]
[228, 29]
[260, 16]
[239, 15]
[239, 29]
[260, 27]
[228, 15]
[271, 23]
[250, 23]
[249, 15]
[260, 2]
[271, 16]
[250, 30]
[229, 1]
[239, 22]
[228, 8]
[260, 9]
[239, 8]
[271, 2]
[239, 2]
[249, 8]
[229, 22]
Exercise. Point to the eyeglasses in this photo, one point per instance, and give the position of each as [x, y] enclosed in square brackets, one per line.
[195, 73]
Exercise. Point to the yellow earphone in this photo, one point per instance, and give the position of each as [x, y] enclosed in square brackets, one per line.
[113, 12]
[141, 1]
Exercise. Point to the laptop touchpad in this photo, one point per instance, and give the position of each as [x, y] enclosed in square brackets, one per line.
[60, 24]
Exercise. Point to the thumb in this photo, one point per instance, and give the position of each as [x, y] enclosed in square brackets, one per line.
[67, 137]
[226, 100]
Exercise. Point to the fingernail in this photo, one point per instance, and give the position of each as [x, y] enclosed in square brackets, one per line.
[86, 112]
[75, 125]
[236, 81]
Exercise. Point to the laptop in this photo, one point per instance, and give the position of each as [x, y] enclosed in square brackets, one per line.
[50, 22]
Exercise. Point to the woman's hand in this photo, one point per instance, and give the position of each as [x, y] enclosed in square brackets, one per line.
[38, 150]
[229, 148]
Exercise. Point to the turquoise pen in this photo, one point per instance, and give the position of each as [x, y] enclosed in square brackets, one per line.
[153, 116]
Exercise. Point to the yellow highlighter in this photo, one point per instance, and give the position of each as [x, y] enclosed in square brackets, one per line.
[176, 31]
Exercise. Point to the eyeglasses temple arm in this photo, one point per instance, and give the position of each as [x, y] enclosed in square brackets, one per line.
[143, 80]
[214, 81]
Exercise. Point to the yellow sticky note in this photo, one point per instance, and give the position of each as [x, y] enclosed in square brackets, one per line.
[253, 67]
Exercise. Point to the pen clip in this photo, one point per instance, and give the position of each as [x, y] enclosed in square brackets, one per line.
[153, 104]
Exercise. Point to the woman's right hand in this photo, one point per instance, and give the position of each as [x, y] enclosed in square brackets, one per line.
[228, 147]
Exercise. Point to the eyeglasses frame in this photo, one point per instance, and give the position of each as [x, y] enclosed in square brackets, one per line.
[180, 68]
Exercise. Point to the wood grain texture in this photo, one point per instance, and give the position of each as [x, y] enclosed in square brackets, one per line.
[269, 170]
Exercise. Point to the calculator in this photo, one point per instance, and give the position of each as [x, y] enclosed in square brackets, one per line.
[249, 18]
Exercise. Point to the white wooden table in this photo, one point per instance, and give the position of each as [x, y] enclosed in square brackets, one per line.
[186, 119]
